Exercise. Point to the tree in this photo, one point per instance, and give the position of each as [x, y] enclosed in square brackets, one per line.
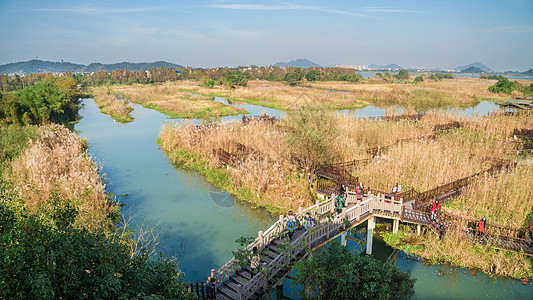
[403, 74]
[419, 78]
[296, 75]
[310, 137]
[312, 75]
[335, 272]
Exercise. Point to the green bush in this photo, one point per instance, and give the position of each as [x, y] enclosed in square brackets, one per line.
[335, 272]
[504, 85]
[40, 261]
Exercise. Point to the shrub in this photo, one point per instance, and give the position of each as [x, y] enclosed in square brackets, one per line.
[335, 272]
[41, 261]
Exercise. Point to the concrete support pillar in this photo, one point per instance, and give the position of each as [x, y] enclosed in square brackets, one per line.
[300, 210]
[418, 229]
[279, 292]
[395, 225]
[317, 202]
[343, 239]
[370, 235]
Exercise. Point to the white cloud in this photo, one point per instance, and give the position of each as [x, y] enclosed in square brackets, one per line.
[287, 6]
[99, 10]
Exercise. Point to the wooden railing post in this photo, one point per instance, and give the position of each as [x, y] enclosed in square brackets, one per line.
[261, 240]
[332, 202]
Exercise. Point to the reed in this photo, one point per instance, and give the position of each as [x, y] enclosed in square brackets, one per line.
[268, 180]
[504, 199]
[113, 105]
[57, 163]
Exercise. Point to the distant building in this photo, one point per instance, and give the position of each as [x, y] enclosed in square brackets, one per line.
[356, 67]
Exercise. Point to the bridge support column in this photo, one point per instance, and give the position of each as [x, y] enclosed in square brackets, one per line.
[279, 292]
[395, 225]
[370, 235]
[418, 229]
[343, 239]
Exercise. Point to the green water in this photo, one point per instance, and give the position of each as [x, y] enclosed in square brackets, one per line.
[199, 223]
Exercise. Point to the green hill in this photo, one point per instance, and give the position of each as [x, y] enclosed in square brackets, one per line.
[40, 66]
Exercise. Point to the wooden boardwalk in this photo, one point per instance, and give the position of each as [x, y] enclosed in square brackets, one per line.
[278, 253]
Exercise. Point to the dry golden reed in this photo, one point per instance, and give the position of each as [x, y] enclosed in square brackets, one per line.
[58, 162]
[110, 104]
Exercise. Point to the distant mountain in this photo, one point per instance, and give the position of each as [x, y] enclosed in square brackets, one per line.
[39, 66]
[472, 70]
[479, 65]
[299, 63]
[527, 73]
[387, 67]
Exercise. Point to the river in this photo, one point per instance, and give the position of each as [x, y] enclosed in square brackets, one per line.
[199, 223]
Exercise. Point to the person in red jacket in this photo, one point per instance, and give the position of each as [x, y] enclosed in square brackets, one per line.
[481, 227]
[435, 209]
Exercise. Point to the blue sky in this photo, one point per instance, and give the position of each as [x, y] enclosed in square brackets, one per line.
[428, 33]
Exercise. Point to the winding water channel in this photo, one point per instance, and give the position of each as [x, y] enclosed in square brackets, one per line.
[200, 223]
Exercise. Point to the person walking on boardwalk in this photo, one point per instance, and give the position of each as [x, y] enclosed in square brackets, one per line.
[481, 227]
[339, 203]
[254, 262]
[435, 210]
[308, 222]
[291, 224]
[342, 190]
[210, 289]
[359, 192]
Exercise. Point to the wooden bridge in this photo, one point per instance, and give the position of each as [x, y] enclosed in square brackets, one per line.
[278, 253]
[521, 103]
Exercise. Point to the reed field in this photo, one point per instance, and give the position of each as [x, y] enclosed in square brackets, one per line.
[421, 164]
[276, 95]
[56, 166]
[169, 98]
[113, 105]
[461, 91]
